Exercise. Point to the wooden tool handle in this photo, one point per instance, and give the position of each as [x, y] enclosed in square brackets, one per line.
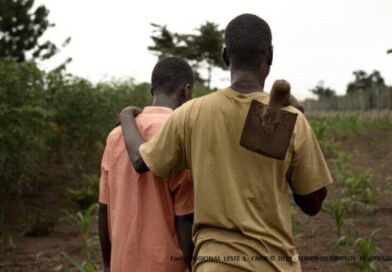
[280, 95]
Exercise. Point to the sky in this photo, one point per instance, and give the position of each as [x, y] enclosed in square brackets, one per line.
[313, 40]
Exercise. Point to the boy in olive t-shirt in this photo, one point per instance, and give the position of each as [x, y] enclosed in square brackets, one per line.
[242, 198]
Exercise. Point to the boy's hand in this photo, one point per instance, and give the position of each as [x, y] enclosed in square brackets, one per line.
[127, 113]
[294, 102]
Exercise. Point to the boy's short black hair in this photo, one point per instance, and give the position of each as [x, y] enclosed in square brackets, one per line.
[248, 39]
[170, 73]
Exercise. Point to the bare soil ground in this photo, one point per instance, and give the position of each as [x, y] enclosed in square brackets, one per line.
[314, 236]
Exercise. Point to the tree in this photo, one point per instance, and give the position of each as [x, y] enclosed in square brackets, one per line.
[202, 50]
[322, 92]
[206, 48]
[364, 81]
[21, 28]
[165, 42]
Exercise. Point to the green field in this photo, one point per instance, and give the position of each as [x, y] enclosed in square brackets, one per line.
[53, 129]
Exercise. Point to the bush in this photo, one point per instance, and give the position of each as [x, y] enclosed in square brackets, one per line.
[88, 194]
[55, 125]
[24, 124]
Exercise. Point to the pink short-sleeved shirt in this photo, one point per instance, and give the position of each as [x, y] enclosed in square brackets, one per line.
[141, 208]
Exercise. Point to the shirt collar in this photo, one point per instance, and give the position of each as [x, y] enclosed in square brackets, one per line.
[157, 109]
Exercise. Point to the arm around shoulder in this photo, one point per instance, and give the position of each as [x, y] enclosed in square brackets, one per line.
[132, 138]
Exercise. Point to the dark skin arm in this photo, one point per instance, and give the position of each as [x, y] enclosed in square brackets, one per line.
[132, 137]
[184, 230]
[311, 203]
[103, 229]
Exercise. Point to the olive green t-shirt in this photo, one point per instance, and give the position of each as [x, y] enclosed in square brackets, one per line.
[242, 199]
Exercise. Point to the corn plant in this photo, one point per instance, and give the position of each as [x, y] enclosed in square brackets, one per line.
[366, 247]
[357, 185]
[320, 128]
[83, 220]
[339, 209]
[361, 189]
[344, 245]
[81, 266]
[341, 163]
[341, 242]
[294, 223]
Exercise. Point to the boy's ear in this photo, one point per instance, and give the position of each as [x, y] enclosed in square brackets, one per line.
[187, 91]
[225, 57]
[270, 55]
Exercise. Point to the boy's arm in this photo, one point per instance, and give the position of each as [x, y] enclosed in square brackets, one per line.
[184, 230]
[311, 203]
[133, 138]
[309, 174]
[103, 229]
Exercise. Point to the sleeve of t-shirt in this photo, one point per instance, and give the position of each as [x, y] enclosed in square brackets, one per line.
[308, 170]
[104, 181]
[165, 151]
[181, 185]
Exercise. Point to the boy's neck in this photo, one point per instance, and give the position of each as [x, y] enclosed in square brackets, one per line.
[165, 101]
[246, 81]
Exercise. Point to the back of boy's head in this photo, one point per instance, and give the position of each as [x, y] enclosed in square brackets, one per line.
[248, 40]
[170, 74]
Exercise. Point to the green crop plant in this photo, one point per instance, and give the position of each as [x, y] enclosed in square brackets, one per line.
[341, 242]
[320, 128]
[357, 185]
[366, 247]
[83, 220]
[88, 192]
[339, 209]
[294, 223]
[81, 266]
[341, 165]
[361, 189]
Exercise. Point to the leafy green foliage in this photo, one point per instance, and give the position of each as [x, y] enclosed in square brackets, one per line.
[203, 49]
[88, 192]
[333, 127]
[55, 121]
[339, 209]
[83, 221]
[58, 122]
[322, 92]
[361, 190]
[342, 161]
[294, 223]
[340, 243]
[21, 27]
[81, 266]
[24, 122]
[84, 114]
[366, 247]
[364, 81]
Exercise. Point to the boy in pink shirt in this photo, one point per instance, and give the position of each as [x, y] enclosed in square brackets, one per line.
[145, 222]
